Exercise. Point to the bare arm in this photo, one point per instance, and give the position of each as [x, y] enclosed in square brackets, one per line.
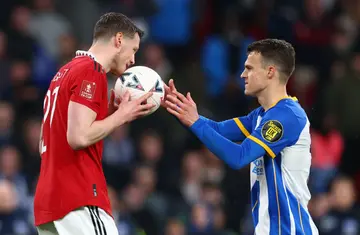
[83, 130]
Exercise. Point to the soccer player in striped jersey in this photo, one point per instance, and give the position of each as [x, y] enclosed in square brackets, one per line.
[275, 140]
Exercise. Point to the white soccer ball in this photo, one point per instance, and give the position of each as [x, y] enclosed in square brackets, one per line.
[139, 80]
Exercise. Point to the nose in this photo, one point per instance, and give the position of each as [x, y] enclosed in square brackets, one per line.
[243, 75]
[132, 61]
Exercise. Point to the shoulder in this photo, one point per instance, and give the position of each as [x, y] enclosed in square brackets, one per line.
[288, 110]
[287, 118]
[85, 64]
[86, 68]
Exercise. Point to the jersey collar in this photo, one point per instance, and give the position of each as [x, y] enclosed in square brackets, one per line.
[80, 53]
[283, 98]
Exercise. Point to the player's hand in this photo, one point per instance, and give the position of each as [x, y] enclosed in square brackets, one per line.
[184, 108]
[130, 110]
[168, 91]
[113, 102]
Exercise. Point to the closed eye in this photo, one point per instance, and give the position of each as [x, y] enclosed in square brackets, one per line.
[248, 67]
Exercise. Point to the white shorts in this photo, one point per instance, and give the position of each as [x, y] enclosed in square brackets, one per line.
[88, 220]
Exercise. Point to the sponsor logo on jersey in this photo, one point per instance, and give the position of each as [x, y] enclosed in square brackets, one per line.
[258, 167]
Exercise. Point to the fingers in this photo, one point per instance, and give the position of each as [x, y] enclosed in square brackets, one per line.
[188, 96]
[172, 85]
[145, 107]
[126, 97]
[112, 96]
[162, 103]
[171, 105]
[167, 88]
[181, 97]
[144, 97]
[117, 100]
[167, 91]
[143, 113]
[174, 100]
[173, 112]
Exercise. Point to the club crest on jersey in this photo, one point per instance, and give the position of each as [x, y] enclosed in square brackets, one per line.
[272, 131]
[88, 90]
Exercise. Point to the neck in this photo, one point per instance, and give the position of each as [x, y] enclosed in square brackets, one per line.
[103, 54]
[270, 96]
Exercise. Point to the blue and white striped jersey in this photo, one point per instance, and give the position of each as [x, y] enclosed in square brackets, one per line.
[279, 191]
[276, 144]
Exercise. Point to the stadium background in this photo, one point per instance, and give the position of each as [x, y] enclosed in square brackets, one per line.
[161, 180]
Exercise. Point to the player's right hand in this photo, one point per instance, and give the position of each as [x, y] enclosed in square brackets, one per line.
[169, 90]
[130, 110]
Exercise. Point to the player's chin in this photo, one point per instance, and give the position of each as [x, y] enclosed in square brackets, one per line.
[117, 72]
[248, 92]
[252, 93]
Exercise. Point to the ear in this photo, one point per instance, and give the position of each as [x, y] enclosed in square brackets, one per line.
[119, 38]
[271, 71]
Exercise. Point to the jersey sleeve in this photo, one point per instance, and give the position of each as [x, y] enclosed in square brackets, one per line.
[278, 129]
[245, 123]
[236, 129]
[233, 154]
[86, 89]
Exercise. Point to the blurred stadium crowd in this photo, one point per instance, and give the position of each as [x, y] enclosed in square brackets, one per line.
[161, 180]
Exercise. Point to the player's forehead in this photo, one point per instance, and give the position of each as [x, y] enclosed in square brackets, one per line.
[253, 58]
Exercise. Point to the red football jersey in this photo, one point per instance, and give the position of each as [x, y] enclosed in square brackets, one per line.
[71, 179]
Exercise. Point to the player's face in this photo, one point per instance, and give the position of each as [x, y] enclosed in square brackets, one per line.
[255, 74]
[126, 55]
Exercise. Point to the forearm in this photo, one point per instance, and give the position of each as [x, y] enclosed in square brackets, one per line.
[97, 131]
[100, 129]
[211, 123]
[235, 155]
[228, 129]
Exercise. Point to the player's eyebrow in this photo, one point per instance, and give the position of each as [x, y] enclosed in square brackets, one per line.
[247, 66]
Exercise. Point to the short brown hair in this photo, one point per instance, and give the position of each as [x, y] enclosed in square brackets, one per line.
[112, 23]
[276, 51]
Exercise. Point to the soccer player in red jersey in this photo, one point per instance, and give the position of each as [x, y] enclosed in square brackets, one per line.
[71, 195]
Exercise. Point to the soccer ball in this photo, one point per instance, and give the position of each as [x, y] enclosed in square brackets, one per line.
[139, 80]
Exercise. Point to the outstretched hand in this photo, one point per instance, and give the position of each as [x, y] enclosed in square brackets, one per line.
[184, 108]
[168, 91]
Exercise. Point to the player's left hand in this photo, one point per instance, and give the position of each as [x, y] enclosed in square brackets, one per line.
[113, 102]
[184, 108]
